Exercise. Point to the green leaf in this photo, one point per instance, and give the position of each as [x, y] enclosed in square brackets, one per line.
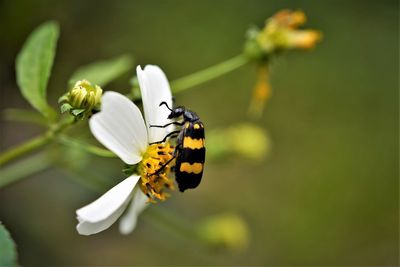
[8, 254]
[103, 72]
[33, 66]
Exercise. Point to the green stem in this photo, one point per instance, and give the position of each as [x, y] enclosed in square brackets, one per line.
[25, 148]
[35, 143]
[209, 73]
[24, 168]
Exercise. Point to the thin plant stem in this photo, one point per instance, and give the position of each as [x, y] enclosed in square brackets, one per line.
[26, 167]
[209, 73]
[25, 148]
[35, 143]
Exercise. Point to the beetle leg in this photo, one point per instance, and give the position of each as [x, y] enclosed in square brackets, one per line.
[162, 167]
[172, 134]
[168, 124]
[177, 148]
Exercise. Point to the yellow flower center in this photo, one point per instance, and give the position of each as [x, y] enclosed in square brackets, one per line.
[154, 169]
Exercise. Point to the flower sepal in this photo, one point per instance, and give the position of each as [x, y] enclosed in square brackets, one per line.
[130, 169]
[252, 48]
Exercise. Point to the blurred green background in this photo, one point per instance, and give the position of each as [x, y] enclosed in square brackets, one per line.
[327, 194]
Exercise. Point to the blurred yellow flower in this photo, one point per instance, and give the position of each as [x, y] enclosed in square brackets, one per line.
[281, 33]
[228, 231]
[261, 92]
[243, 139]
[290, 19]
[305, 39]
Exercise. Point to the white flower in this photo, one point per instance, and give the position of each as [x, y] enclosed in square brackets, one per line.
[120, 127]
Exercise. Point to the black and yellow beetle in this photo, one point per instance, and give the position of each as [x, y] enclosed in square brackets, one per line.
[190, 150]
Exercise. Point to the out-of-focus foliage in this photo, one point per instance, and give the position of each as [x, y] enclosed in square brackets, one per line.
[8, 254]
[225, 231]
[104, 71]
[32, 164]
[242, 140]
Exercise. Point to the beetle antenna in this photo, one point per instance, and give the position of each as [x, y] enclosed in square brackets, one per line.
[165, 103]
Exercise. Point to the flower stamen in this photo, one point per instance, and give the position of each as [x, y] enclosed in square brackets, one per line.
[154, 170]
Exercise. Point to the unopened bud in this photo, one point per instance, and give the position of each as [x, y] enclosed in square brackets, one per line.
[83, 98]
[252, 48]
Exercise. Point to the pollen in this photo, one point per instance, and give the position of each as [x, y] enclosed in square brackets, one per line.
[154, 171]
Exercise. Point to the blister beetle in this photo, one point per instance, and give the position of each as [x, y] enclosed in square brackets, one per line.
[190, 150]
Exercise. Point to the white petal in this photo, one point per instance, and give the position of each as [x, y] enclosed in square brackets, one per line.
[155, 89]
[103, 212]
[128, 222]
[119, 126]
[89, 228]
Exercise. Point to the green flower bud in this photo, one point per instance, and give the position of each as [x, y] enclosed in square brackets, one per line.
[82, 99]
[228, 231]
